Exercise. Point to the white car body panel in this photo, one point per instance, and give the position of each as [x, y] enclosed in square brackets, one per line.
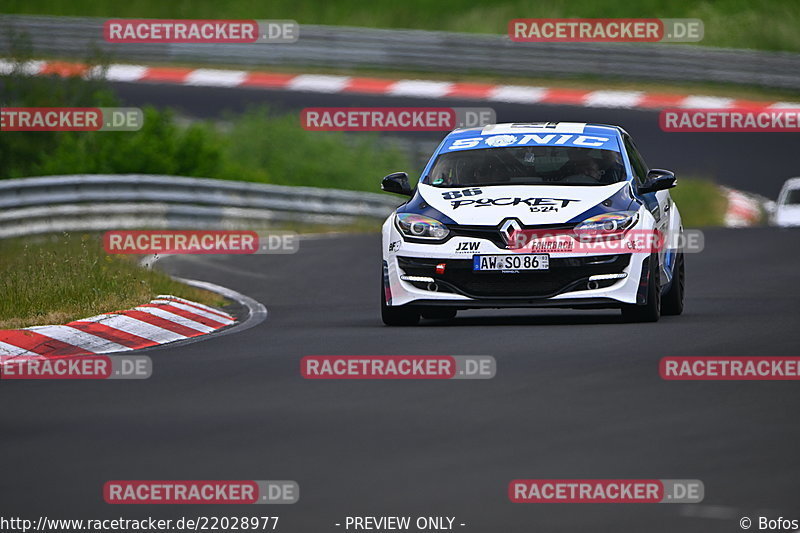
[787, 215]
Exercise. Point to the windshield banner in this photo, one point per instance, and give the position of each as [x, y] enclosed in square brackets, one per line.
[533, 139]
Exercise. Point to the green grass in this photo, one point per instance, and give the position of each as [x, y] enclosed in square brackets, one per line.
[758, 24]
[59, 278]
[255, 146]
[700, 201]
[276, 149]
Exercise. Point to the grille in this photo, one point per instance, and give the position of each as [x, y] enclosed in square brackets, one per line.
[565, 274]
[492, 233]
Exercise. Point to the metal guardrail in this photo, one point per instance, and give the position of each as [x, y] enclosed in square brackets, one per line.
[31, 206]
[348, 47]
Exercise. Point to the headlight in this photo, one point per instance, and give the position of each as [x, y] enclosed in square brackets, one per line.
[608, 224]
[421, 227]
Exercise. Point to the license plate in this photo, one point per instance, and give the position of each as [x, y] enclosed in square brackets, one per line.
[510, 263]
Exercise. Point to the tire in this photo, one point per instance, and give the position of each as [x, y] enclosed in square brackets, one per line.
[439, 313]
[672, 301]
[397, 316]
[650, 311]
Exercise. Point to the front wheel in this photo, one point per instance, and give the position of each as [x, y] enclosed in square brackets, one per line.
[651, 310]
[672, 302]
[397, 316]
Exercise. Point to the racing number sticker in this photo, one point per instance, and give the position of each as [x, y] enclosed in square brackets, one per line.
[452, 195]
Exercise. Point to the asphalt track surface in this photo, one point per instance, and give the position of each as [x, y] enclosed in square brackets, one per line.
[577, 393]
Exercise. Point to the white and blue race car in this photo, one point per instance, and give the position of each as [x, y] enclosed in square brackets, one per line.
[553, 214]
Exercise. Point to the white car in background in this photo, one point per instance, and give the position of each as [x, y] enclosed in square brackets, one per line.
[787, 209]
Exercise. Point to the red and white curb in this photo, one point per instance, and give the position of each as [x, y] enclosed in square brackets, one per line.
[165, 319]
[743, 209]
[522, 94]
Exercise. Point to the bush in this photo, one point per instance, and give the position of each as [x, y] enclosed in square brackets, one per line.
[277, 150]
[257, 147]
[160, 147]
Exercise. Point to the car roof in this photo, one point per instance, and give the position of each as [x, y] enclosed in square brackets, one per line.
[536, 127]
[792, 183]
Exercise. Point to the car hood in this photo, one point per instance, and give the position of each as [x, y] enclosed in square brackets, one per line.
[530, 204]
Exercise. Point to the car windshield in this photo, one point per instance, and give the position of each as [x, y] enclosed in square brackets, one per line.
[527, 165]
[792, 197]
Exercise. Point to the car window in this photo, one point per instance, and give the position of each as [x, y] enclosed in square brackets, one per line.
[792, 197]
[637, 162]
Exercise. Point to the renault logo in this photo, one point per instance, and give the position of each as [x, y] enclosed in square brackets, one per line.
[508, 227]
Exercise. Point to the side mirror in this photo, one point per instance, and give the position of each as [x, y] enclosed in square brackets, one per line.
[397, 183]
[658, 180]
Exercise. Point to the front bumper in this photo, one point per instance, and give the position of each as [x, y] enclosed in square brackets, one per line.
[566, 274]
[411, 277]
